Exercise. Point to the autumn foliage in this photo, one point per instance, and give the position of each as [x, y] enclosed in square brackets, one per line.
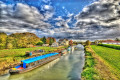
[71, 42]
[50, 40]
[18, 40]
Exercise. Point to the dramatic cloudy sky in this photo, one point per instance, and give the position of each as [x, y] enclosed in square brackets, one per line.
[76, 19]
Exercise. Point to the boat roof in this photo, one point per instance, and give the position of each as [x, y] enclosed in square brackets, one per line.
[30, 60]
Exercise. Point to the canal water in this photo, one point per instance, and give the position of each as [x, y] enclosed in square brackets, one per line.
[68, 67]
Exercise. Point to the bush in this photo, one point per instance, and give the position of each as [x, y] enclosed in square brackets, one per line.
[40, 43]
[9, 46]
[110, 46]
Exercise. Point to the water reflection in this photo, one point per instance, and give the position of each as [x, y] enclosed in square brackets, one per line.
[27, 75]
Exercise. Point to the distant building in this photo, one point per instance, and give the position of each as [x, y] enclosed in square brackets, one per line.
[55, 44]
[110, 42]
[45, 45]
[96, 42]
[63, 42]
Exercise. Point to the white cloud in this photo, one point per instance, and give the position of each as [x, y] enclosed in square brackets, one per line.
[30, 14]
[46, 7]
[70, 14]
[48, 15]
[59, 18]
[100, 19]
[21, 19]
[48, 11]
[27, 19]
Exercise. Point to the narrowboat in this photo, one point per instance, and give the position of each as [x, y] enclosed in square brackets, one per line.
[32, 63]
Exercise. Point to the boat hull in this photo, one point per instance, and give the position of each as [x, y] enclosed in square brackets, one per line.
[12, 72]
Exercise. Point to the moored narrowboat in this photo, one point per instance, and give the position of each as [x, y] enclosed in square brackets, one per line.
[32, 63]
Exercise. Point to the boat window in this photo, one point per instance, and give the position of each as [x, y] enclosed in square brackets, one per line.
[35, 62]
[27, 65]
[21, 64]
[38, 61]
[32, 64]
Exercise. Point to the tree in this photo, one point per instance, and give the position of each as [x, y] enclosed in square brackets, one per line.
[24, 39]
[54, 39]
[51, 41]
[13, 41]
[70, 42]
[88, 42]
[117, 39]
[33, 40]
[44, 40]
[9, 46]
[3, 40]
[96, 42]
[22, 42]
[40, 43]
[47, 41]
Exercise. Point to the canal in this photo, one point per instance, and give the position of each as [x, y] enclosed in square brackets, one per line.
[68, 67]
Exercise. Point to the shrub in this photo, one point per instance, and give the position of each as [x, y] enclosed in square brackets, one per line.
[110, 46]
[9, 46]
[40, 43]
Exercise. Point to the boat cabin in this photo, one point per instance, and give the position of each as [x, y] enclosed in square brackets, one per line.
[31, 62]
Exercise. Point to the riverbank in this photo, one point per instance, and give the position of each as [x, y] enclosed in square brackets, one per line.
[89, 72]
[12, 57]
[96, 67]
[110, 59]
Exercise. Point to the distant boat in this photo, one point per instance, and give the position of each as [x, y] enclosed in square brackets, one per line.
[32, 63]
[69, 49]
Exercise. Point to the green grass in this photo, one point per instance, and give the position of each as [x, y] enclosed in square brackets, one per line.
[89, 71]
[111, 56]
[21, 52]
[110, 46]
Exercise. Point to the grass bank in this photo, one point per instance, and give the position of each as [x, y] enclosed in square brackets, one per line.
[101, 63]
[111, 58]
[89, 72]
[21, 52]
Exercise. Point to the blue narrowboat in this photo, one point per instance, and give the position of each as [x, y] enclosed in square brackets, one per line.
[32, 63]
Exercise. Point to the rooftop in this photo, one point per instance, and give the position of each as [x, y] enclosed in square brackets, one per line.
[30, 60]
